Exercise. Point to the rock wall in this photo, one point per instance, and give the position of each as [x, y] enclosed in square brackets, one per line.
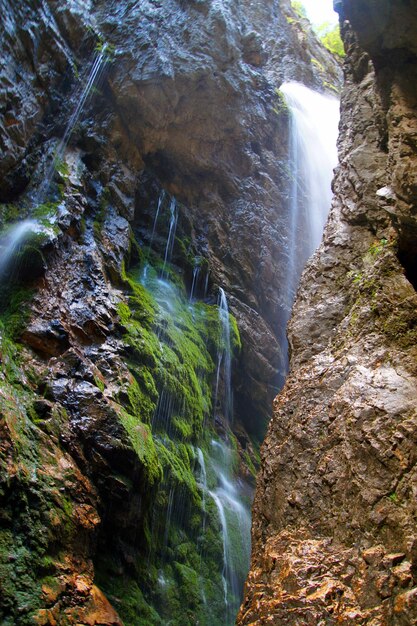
[186, 102]
[334, 532]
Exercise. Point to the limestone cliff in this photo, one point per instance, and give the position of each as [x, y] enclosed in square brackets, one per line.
[172, 101]
[334, 529]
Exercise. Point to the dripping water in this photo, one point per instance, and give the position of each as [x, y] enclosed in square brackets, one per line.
[171, 234]
[223, 397]
[196, 274]
[158, 209]
[93, 77]
[206, 283]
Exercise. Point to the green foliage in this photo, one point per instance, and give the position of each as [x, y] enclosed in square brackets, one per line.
[299, 9]
[10, 213]
[61, 166]
[107, 49]
[329, 36]
[143, 444]
[281, 106]
[378, 246]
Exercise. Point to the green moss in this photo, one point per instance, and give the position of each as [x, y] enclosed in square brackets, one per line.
[127, 598]
[281, 106]
[378, 246]
[10, 213]
[15, 309]
[171, 351]
[317, 63]
[143, 444]
[61, 166]
[299, 9]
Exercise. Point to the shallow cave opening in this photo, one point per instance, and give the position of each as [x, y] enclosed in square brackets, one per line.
[407, 254]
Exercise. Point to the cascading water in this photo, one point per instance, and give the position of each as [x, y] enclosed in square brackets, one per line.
[222, 533]
[314, 120]
[224, 362]
[12, 241]
[235, 522]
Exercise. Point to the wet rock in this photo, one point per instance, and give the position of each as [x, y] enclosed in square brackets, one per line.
[186, 101]
[335, 501]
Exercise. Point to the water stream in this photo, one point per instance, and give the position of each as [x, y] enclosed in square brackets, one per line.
[224, 502]
[235, 522]
[171, 234]
[92, 78]
[223, 394]
[12, 241]
[314, 120]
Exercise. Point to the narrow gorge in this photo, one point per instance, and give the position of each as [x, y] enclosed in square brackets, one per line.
[165, 177]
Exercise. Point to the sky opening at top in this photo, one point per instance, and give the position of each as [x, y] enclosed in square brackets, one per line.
[320, 11]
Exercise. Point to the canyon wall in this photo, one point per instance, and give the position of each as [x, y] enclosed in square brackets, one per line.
[334, 529]
[182, 108]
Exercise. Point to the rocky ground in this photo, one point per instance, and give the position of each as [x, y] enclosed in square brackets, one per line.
[334, 530]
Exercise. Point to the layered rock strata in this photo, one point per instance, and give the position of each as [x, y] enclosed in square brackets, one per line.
[334, 529]
[184, 103]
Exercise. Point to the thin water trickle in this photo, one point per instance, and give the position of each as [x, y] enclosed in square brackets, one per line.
[223, 389]
[158, 209]
[314, 120]
[171, 234]
[92, 78]
[196, 274]
[206, 283]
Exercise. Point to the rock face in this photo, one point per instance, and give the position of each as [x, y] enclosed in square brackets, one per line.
[183, 101]
[334, 529]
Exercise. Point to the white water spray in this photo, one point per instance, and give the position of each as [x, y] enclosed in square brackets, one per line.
[235, 525]
[313, 156]
[13, 240]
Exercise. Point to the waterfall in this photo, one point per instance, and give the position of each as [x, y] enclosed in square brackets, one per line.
[224, 362]
[235, 525]
[314, 120]
[12, 241]
[223, 509]
[171, 233]
[92, 78]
